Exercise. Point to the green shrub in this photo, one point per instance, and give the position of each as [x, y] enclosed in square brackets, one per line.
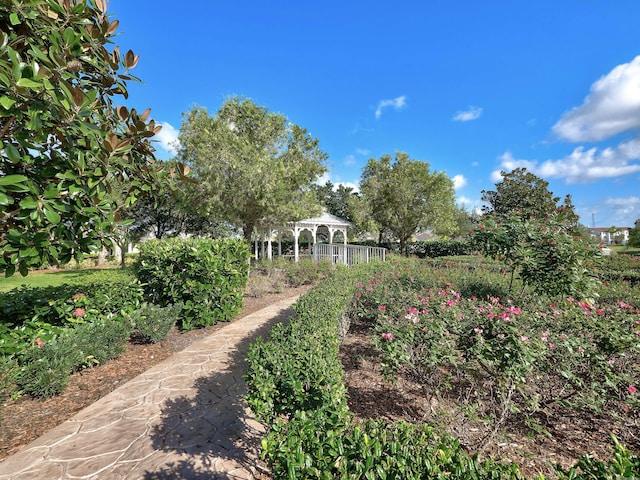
[207, 276]
[624, 465]
[439, 248]
[152, 323]
[295, 380]
[45, 367]
[56, 305]
[44, 370]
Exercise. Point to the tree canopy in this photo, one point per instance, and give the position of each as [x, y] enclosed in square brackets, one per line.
[254, 165]
[526, 194]
[404, 195]
[63, 138]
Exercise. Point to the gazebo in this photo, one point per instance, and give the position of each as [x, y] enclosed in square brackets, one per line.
[322, 232]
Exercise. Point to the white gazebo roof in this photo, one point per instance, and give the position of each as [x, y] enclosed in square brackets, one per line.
[326, 219]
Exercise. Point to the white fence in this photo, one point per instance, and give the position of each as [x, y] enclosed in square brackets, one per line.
[346, 254]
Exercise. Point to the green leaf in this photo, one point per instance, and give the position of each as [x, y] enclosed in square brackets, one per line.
[28, 83]
[12, 179]
[52, 215]
[29, 203]
[7, 102]
[13, 153]
[5, 199]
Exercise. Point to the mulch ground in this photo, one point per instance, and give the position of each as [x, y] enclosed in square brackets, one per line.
[569, 434]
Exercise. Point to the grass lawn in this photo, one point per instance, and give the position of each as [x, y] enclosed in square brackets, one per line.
[46, 279]
[624, 250]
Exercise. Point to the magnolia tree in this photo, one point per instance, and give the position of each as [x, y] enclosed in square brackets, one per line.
[63, 138]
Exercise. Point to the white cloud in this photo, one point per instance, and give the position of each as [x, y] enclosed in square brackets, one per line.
[354, 186]
[472, 113]
[168, 138]
[350, 160]
[469, 204]
[323, 179]
[459, 181]
[581, 166]
[624, 207]
[397, 103]
[612, 107]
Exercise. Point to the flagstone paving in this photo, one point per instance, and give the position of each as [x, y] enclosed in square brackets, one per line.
[184, 418]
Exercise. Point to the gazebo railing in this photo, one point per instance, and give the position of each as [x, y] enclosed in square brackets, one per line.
[347, 254]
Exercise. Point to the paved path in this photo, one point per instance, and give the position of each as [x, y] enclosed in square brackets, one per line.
[184, 418]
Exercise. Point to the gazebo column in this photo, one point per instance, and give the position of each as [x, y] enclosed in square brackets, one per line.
[296, 234]
[344, 237]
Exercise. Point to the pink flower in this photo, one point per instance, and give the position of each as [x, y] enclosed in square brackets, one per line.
[382, 308]
[631, 389]
[78, 312]
[387, 336]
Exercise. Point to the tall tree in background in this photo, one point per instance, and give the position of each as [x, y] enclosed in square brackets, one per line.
[526, 194]
[404, 196]
[254, 165]
[61, 135]
[336, 199]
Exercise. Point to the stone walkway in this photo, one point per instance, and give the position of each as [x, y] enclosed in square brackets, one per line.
[184, 418]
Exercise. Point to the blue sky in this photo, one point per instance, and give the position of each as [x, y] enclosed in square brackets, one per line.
[470, 87]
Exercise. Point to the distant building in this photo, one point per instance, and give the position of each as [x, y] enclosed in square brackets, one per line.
[612, 235]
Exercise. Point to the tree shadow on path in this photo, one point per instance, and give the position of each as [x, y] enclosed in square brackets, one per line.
[209, 435]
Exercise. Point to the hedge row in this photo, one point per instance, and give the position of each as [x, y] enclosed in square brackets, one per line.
[295, 385]
[207, 276]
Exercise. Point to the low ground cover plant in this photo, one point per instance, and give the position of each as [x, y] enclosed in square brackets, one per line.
[452, 324]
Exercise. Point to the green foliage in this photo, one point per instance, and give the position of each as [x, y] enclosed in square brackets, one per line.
[634, 236]
[152, 323]
[253, 164]
[439, 248]
[62, 137]
[522, 193]
[404, 195]
[207, 276]
[624, 465]
[494, 358]
[29, 313]
[45, 368]
[544, 252]
[295, 381]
